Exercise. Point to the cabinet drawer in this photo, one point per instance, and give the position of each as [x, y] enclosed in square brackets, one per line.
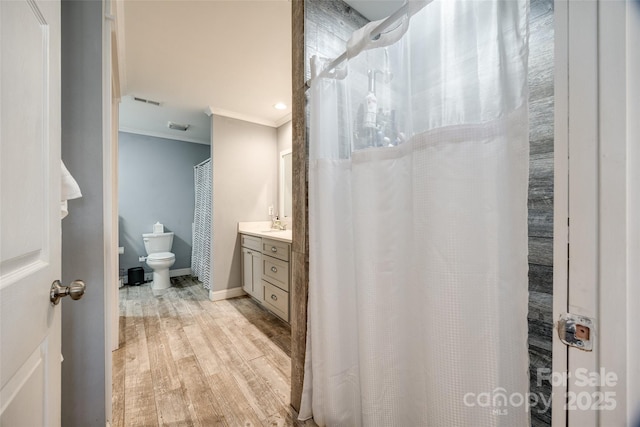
[251, 242]
[275, 249]
[275, 272]
[276, 300]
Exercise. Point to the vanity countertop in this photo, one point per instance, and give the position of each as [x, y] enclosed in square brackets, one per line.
[263, 229]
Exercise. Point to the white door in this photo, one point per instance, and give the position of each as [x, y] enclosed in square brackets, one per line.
[29, 212]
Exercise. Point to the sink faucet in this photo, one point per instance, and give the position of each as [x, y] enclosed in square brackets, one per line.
[277, 224]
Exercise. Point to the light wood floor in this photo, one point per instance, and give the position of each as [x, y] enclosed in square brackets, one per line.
[186, 361]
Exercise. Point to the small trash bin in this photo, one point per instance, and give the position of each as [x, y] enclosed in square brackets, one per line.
[135, 276]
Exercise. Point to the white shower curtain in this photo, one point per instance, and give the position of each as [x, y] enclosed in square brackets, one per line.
[418, 224]
[201, 249]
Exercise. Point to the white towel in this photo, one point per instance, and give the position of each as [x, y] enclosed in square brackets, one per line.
[69, 189]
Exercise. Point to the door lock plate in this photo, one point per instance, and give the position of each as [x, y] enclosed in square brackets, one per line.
[576, 331]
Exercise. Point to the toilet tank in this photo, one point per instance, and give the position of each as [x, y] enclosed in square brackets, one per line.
[157, 242]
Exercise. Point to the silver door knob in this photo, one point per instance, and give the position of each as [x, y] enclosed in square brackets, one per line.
[75, 290]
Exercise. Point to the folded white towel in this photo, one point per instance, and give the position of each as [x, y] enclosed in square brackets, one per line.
[69, 189]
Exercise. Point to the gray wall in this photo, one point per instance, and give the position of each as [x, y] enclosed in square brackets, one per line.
[83, 321]
[155, 183]
[541, 110]
[245, 162]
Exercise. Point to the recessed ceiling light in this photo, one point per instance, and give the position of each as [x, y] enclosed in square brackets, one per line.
[280, 106]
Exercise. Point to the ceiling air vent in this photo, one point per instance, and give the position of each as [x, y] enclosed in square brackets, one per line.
[178, 126]
[146, 101]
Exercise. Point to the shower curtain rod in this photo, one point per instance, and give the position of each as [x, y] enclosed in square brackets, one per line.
[405, 9]
[202, 163]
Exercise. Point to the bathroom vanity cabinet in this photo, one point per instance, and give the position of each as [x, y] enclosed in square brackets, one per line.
[266, 272]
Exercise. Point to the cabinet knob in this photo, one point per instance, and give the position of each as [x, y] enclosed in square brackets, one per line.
[274, 249]
[273, 297]
[275, 270]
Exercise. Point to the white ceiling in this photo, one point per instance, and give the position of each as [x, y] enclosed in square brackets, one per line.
[233, 57]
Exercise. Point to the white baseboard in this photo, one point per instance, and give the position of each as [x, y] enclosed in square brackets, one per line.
[226, 294]
[180, 272]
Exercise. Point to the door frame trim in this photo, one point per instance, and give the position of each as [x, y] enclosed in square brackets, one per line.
[597, 186]
[110, 89]
[560, 201]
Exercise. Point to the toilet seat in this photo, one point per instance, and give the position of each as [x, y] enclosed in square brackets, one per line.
[161, 256]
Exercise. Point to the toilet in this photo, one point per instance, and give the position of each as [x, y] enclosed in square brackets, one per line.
[159, 257]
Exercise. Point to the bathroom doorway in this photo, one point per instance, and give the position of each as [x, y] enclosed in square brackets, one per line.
[186, 341]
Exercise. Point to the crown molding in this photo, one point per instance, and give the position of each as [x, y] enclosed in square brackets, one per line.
[247, 117]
